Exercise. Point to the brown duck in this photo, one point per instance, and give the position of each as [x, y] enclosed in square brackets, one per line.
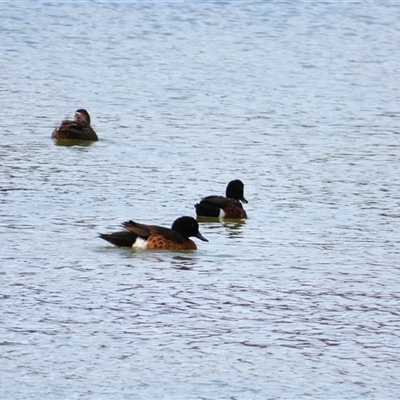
[224, 207]
[157, 237]
[78, 129]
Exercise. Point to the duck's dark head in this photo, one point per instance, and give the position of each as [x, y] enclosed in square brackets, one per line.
[82, 115]
[187, 227]
[235, 190]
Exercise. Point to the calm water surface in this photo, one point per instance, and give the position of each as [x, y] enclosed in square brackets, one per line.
[300, 101]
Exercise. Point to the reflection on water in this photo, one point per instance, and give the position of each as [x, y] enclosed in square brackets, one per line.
[184, 263]
[298, 99]
[70, 143]
[232, 228]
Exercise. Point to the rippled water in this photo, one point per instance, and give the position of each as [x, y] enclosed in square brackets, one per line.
[300, 101]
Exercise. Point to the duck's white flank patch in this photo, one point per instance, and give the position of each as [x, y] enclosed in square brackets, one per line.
[140, 243]
[221, 213]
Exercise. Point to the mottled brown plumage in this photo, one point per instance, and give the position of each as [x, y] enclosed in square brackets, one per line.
[78, 129]
[162, 243]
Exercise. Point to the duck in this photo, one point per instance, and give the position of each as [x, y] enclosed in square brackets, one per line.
[143, 236]
[78, 129]
[229, 206]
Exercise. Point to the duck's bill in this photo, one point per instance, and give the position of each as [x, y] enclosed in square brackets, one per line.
[201, 237]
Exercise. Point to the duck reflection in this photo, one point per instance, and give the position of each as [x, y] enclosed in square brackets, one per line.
[70, 142]
[183, 262]
[161, 258]
[234, 227]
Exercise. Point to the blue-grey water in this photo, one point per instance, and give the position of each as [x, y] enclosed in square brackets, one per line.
[299, 100]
